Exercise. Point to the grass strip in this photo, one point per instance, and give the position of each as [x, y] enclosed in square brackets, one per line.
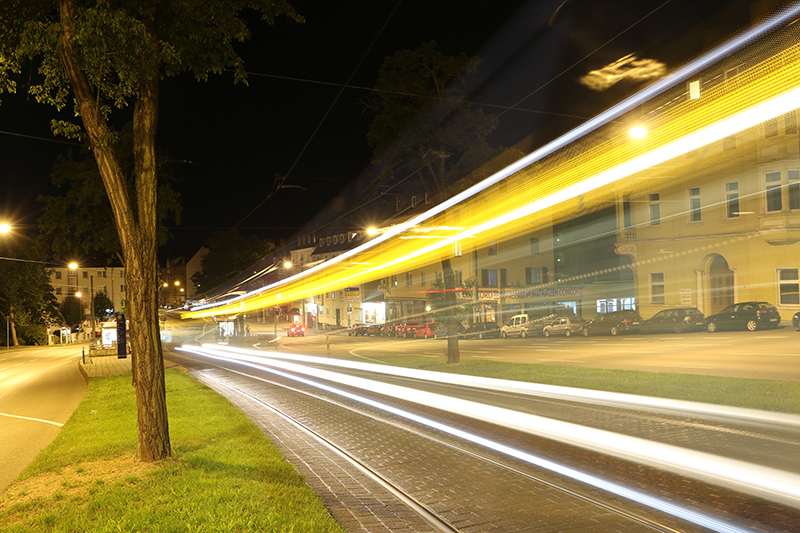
[224, 476]
[767, 395]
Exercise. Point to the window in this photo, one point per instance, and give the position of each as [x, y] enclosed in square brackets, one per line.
[409, 279]
[85, 275]
[771, 128]
[503, 278]
[438, 276]
[398, 205]
[694, 204]
[789, 286]
[394, 280]
[534, 245]
[422, 278]
[58, 274]
[627, 214]
[413, 201]
[488, 278]
[532, 276]
[790, 121]
[655, 209]
[732, 200]
[772, 182]
[459, 278]
[122, 288]
[58, 291]
[775, 181]
[657, 288]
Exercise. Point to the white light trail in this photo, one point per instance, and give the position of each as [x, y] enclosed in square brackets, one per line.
[593, 397]
[764, 482]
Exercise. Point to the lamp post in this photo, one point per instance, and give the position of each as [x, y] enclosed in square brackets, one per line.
[5, 228]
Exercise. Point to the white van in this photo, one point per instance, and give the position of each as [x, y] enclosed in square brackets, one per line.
[516, 325]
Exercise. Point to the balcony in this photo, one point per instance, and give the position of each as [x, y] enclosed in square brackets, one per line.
[781, 228]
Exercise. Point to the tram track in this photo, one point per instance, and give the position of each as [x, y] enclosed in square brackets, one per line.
[647, 523]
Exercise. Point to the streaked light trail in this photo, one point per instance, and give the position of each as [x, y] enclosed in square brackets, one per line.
[763, 482]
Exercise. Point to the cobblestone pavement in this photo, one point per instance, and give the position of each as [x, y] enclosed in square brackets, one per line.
[470, 493]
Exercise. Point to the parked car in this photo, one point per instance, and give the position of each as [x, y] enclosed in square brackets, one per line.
[427, 331]
[796, 321]
[374, 329]
[409, 330]
[358, 329]
[482, 330]
[746, 315]
[296, 330]
[389, 330]
[613, 323]
[565, 325]
[442, 332]
[674, 320]
[516, 325]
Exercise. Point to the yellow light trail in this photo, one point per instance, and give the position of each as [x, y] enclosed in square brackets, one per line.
[585, 173]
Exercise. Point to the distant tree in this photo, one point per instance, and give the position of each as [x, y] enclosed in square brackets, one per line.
[99, 57]
[229, 254]
[27, 298]
[81, 219]
[102, 304]
[72, 310]
[425, 131]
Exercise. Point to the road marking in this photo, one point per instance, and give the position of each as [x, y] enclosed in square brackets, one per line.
[635, 351]
[679, 366]
[490, 357]
[772, 337]
[553, 350]
[33, 419]
[563, 360]
[476, 351]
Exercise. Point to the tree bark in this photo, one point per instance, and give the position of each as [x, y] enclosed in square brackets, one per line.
[137, 233]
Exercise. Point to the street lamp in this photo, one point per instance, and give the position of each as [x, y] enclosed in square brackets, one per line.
[5, 228]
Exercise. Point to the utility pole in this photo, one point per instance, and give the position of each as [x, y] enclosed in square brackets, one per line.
[91, 299]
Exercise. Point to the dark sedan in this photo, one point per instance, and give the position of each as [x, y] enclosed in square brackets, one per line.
[744, 315]
[613, 323]
[483, 330]
[674, 320]
[796, 321]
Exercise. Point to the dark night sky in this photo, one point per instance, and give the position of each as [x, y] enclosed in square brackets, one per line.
[229, 141]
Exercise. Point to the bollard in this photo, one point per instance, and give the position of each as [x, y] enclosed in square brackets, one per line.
[329, 345]
[83, 355]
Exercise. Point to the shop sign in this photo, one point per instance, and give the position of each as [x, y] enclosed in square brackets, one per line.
[519, 294]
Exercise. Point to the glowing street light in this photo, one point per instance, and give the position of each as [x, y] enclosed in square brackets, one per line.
[78, 295]
[372, 231]
[638, 132]
[287, 264]
[5, 228]
[73, 266]
[177, 283]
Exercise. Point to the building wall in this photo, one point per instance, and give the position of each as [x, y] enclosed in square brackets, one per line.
[111, 280]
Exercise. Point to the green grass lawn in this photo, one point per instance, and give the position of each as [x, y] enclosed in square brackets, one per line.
[778, 396]
[224, 475]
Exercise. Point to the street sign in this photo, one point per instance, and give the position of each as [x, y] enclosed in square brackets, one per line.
[122, 348]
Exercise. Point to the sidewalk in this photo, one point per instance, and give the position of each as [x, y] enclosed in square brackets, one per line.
[104, 365]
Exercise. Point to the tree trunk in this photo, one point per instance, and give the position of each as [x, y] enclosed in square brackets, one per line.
[453, 353]
[137, 233]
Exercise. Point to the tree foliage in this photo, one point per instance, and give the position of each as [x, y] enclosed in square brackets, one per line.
[26, 295]
[424, 124]
[229, 254]
[102, 304]
[99, 57]
[72, 310]
[81, 218]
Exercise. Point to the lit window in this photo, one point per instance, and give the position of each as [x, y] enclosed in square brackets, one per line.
[657, 287]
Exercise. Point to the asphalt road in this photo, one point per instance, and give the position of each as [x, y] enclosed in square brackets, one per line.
[40, 387]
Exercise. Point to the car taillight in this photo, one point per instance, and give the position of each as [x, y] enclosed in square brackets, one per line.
[626, 319]
[760, 312]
